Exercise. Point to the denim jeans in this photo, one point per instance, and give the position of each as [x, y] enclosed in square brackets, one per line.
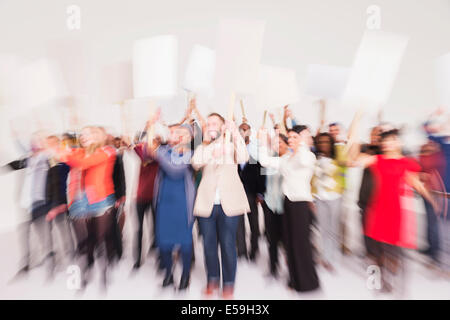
[219, 229]
[81, 208]
[432, 230]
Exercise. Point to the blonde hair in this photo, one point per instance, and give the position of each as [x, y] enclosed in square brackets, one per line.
[98, 142]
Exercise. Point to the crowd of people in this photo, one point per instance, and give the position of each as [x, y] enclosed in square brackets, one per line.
[214, 172]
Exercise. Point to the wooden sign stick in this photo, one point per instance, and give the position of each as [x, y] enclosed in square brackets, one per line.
[264, 118]
[242, 109]
[151, 127]
[230, 115]
[282, 126]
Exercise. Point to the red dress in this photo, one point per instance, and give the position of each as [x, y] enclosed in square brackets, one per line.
[385, 216]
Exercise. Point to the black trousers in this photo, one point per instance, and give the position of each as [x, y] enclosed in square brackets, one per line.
[254, 228]
[297, 220]
[94, 234]
[142, 208]
[373, 247]
[274, 234]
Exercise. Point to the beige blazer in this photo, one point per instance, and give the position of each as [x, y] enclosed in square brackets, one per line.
[221, 173]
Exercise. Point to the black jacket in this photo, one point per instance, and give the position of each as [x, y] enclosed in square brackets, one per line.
[252, 179]
[119, 178]
[56, 189]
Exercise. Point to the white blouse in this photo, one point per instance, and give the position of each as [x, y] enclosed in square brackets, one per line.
[296, 169]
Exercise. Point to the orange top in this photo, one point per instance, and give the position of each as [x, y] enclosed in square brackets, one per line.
[97, 170]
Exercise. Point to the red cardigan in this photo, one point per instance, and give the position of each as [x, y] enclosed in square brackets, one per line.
[97, 170]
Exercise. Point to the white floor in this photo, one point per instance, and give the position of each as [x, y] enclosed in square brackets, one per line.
[349, 281]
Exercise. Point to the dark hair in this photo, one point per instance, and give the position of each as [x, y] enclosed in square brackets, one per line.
[245, 124]
[332, 142]
[283, 137]
[69, 135]
[389, 133]
[298, 128]
[334, 124]
[217, 115]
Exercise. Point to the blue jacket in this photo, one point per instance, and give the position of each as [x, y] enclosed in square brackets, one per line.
[176, 167]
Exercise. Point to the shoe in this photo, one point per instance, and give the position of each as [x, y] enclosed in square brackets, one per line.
[168, 280]
[227, 292]
[184, 283]
[328, 266]
[346, 251]
[290, 284]
[210, 289]
[24, 270]
[137, 265]
[274, 272]
[253, 255]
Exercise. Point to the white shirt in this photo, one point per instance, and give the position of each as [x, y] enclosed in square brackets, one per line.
[274, 194]
[296, 169]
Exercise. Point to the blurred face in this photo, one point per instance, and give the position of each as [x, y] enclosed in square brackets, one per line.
[391, 144]
[429, 148]
[375, 136]
[184, 136]
[117, 143]
[282, 147]
[335, 130]
[86, 137]
[324, 144]
[173, 136]
[214, 127]
[294, 140]
[244, 130]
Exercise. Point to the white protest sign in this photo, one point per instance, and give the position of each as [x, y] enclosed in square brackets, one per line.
[40, 82]
[238, 55]
[199, 76]
[276, 87]
[75, 60]
[155, 67]
[116, 82]
[326, 82]
[374, 69]
[443, 80]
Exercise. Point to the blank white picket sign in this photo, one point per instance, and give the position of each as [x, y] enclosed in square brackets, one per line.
[276, 88]
[443, 80]
[116, 82]
[75, 59]
[116, 86]
[199, 76]
[374, 70]
[40, 83]
[325, 81]
[238, 55]
[155, 67]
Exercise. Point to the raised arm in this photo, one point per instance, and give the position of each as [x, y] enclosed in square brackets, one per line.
[412, 178]
[322, 110]
[198, 114]
[263, 153]
[174, 167]
[85, 162]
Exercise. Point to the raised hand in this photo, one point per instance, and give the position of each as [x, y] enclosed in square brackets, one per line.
[262, 136]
